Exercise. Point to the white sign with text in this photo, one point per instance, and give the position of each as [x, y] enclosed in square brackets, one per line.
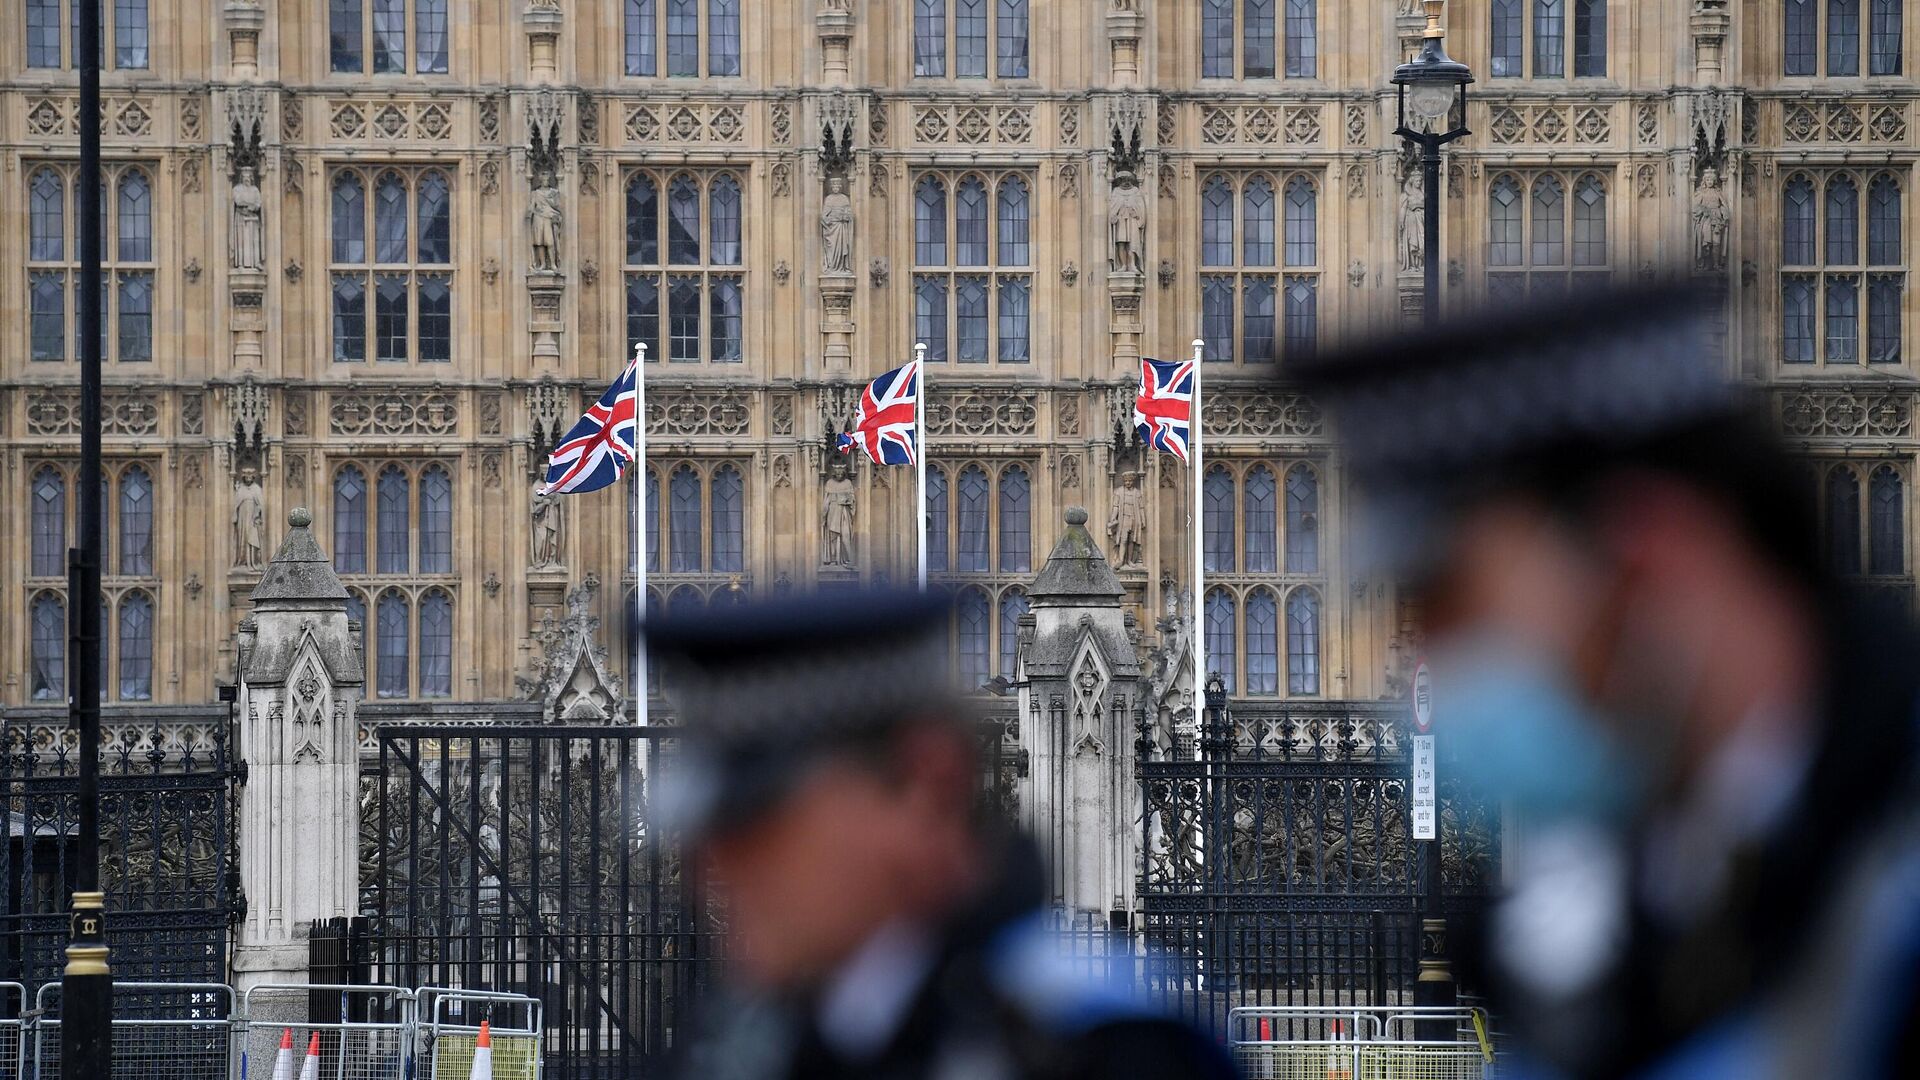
[1426, 803]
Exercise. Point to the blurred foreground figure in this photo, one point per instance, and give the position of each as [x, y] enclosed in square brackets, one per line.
[828, 784]
[1705, 750]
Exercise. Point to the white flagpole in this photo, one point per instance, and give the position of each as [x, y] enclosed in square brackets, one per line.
[920, 452]
[1197, 529]
[640, 529]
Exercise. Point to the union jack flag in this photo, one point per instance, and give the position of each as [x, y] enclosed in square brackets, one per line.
[597, 449]
[884, 428]
[1164, 408]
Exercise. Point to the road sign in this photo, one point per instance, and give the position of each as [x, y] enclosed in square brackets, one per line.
[1426, 802]
[1422, 698]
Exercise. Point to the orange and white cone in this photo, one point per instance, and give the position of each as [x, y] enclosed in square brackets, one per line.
[283, 1061]
[1339, 1058]
[483, 1054]
[310, 1068]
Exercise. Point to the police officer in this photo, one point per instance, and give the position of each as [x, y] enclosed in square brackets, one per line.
[1706, 748]
[880, 926]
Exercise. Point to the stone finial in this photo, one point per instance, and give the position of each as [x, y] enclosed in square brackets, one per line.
[1076, 515]
[300, 517]
[299, 572]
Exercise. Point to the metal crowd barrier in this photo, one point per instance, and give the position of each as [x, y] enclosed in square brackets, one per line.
[199, 1031]
[1358, 1043]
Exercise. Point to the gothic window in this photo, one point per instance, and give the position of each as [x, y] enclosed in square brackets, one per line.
[1886, 522]
[135, 634]
[959, 45]
[1015, 531]
[1843, 270]
[684, 518]
[127, 265]
[937, 519]
[393, 551]
[1221, 637]
[400, 512]
[1830, 31]
[436, 521]
[974, 624]
[1303, 642]
[393, 298]
[973, 297]
[685, 599]
[1263, 642]
[123, 26]
[1529, 220]
[686, 23]
[1544, 22]
[979, 534]
[699, 288]
[1276, 37]
[436, 644]
[350, 520]
[49, 523]
[136, 522]
[1864, 536]
[1259, 529]
[1303, 520]
[1260, 521]
[702, 521]
[1013, 604]
[392, 677]
[365, 35]
[1250, 311]
[729, 516]
[973, 520]
[47, 674]
[1216, 508]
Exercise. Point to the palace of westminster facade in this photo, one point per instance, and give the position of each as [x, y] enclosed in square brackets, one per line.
[372, 256]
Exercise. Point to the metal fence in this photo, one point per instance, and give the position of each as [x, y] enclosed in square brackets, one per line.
[1360, 1043]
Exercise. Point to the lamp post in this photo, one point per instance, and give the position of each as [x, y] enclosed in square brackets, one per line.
[1431, 83]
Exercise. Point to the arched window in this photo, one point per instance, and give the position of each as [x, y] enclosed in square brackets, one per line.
[936, 518]
[1013, 604]
[435, 217]
[1263, 642]
[390, 643]
[1796, 223]
[1220, 637]
[1010, 38]
[1549, 37]
[1303, 231]
[1843, 221]
[49, 522]
[970, 222]
[1589, 222]
[136, 521]
[1303, 520]
[349, 218]
[48, 679]
[1012, 204]
[1886, 523]
[724, 212]
[929, 38]
[1843, 520]
[390, 218]
[729, 520]
[930, 223]
[436, 521]
[350, 520]
[1503, 223]
[436, 644]
[48, 217]
[1015, 520]
[136, 647]
[1256, 222]
[1549, 241]
[1303, 642]
[684, 600]
[393, 521]
[1883, 221]
[1802, 36]
[1260, 524]
[643, 221]
[136, 217]
[684, 519]
[972, 614]
[683, 221]
[1216, 223]
[1217, 511]
[973, 520]
[653, 521]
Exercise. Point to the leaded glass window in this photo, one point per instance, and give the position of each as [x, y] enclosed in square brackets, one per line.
[704, 289]
[136, 522]
[389, 37]
[1263, 642]
[48, 523]
[1528, 253]
[1248, 313]
[135, 641]
[127, 264]
[436, 644]
[409, 216]
[1303, 642]
[972, 297]
[392, 677]
[1840, 303]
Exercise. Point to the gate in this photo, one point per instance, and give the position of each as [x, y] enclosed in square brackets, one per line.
[168, 864]
[1277, 865]
[521, 859]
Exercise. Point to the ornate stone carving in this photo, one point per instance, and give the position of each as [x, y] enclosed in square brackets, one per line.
[1127, 522]
[544, 215]
[1070, 180]
[699, 412]
[1412, 217]
[780, 414]
[1356, 181]
[1889, 124]
[190, 113]
[1070, 471]
[246, 230]
[1069, 274]
[247, 420]
[294, 403]
[489, 118]
[1590, 125]
[589, 271]
[1263, 413]
[1303, 124]
[249, 520]
[782, 180]
[1846, 413]
[490, 402]
[393, 412]
[192, 469]
[643, 123]
[1167, 273]
[1067, 414]
[548, 525]
[877, 273]
[570, 677]
[588, 109]
[192, 414]
[296, 472]
[1356, 124]
[837, 517]
[1126, 205]
[1710, 220]
[1069, 124]
[1356, 274]
[983, 412]
[193, 270]
[490, 469]
[781, 272]
[1798, 124]
[783, 470]
[1647, 123]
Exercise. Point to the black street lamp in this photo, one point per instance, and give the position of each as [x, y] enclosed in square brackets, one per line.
[1432, 83]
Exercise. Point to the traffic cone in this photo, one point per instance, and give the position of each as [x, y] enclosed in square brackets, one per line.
[483, 1054]
[1266, 1029]
[283, 1061]
[1339, 1060]
[310, 1069]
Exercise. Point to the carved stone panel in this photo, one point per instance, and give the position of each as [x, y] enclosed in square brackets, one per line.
[983, 412]
[393, 412]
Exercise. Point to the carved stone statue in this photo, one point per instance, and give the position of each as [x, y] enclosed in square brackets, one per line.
[543, 223]
[546, 530]
[836, 229]
[246, 234]
[1413, 221]
[1710, 217]
[836, 518]
[249, 521]
[1127, 523]
[1127, 226]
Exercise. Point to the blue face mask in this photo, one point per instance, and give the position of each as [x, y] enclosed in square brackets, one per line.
[1515, 728]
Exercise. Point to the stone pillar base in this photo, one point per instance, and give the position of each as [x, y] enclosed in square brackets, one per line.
[1123, 40]
[836, 319]
[546, 288]
[1124, 289]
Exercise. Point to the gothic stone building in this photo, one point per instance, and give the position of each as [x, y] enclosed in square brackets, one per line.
[372, 256]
